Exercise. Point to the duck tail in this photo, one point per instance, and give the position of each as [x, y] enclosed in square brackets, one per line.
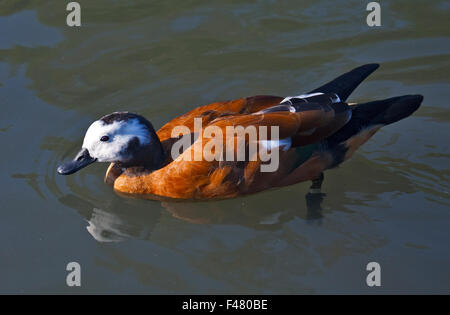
[390, 110]
[367, 119]
[345, 84]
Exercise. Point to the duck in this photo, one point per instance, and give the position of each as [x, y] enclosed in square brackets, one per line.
[314, 132]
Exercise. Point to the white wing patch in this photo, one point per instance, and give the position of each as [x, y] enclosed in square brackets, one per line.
[333, 97]
[284, 144]
[303, 96]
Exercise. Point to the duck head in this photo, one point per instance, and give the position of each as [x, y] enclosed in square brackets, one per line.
[121, 137]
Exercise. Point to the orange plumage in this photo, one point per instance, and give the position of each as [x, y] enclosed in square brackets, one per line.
[321, 128]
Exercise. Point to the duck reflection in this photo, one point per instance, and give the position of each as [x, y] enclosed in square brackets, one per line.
[108, 227]
[121, 219]
[116, 220]
[262, 212]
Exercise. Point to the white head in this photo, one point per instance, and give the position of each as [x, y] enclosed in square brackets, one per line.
[109, 142]
[120, 137]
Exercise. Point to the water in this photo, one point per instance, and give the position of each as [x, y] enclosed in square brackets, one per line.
[389, 204]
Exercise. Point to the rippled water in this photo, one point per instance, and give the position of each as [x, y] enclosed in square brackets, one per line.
[389, 204]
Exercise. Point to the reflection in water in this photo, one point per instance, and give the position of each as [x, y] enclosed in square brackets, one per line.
[115, 221]
[314, 206]
[112, 224]
[106, 227]
[238, 212]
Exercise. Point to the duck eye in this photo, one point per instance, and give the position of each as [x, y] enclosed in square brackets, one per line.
[104, 138]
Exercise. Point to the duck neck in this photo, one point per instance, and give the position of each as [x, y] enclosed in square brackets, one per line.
[151, 157]
[158, 155]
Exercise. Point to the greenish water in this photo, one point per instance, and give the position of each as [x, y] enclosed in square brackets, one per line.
[389, 204]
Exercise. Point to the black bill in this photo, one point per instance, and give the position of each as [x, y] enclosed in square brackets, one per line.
[82, 159]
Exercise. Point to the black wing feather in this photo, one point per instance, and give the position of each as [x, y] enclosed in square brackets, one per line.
[345, 84]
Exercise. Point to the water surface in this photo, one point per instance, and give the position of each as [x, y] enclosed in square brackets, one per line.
[389, 204]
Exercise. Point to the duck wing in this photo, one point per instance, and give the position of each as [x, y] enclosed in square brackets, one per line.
[212, 111]
[210, 177]
[345, 84]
